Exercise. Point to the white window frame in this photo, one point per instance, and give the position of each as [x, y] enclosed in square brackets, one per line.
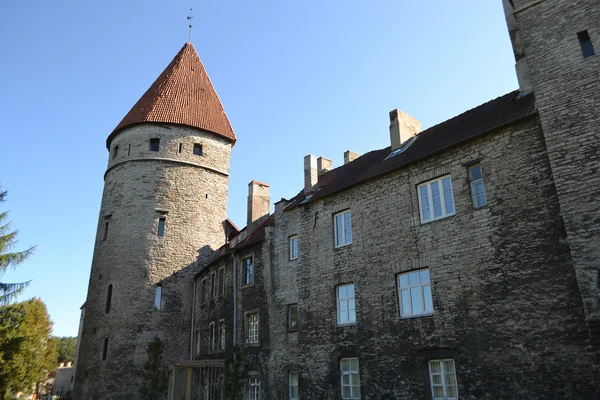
[253, 387]
[346, 231]
[352, 374]
[222, 334]
[474, 184]
[248, 278]
[442, 374]
[293, 247]
[198, 341]
[213, 285]
[252, 325]
[292, 385]
[211, 338]
[424, 291]
[348, 301]
[443, 203]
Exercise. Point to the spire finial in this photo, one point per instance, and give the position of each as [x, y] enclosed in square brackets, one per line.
[190, 31]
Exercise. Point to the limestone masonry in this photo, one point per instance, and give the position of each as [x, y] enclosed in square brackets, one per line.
[463, 261]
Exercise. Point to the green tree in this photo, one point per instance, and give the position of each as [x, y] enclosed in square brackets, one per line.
[8, 239]
[27, 355]
[66, 348]
[154, 374]
[236, 374]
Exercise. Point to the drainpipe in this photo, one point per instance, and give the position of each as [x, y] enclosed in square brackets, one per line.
[193, 320]
[234, 299]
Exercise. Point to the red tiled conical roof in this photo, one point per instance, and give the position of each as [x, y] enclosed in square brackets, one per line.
[182, 94]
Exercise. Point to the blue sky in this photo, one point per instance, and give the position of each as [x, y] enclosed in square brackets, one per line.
[295, 78]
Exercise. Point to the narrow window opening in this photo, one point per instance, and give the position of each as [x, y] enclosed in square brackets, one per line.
[248, 271]
[180, 147]
[129, 150]
[161, 226]
[477, 187]
[158, 297]
[203, 291]
[346, 304]
[108, 299]
[222, 281]
[197, 149]
[105, 349]
[587, 48]
[105, 236]
[213, 285]
[292, 317]
[154, 144]
[115, 151]
[294, 395]
[198, 343]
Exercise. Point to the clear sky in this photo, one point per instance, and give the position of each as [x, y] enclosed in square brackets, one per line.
[295, 78]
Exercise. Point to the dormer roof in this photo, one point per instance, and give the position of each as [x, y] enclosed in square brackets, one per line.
[183, 94]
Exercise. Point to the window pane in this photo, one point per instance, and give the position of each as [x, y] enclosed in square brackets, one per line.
[404, 280]
[435, 367]
[424, 275]
[427, 298]
[438, 392]
[345, 364]
[415, 298]
[424, 203]
[474, 172]
[448, 197]
[405, 303]
[352, 316]
[413, 278]
[357, 392]
[452, 392]
[294, 378]
[451, 379]
[350, 290]
[449, 366]
[450, 206]
[346, 392]
[342, 292]
[345, 379]
[437, 200]
[436, 379]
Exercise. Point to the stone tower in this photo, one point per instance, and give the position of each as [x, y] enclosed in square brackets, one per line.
[555, 43]
[163, 207]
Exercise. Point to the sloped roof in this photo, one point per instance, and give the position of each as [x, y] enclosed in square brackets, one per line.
[476, 122]
[182, 94]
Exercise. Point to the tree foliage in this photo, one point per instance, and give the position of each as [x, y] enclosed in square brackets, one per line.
[27, 355]
[236, 374]
[154, 374]
[66, 348]
[8, 240]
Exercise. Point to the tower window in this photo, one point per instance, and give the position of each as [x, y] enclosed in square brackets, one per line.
[129, 150]
[158, 297]
[197, 149]
[105, 349]
[108, 299]
[105, 236]
[154, 144]
[115, 151]
[161, 226]
[587, 48]
[180, 147]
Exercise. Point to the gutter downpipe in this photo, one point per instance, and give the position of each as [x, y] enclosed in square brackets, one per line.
[193, 320]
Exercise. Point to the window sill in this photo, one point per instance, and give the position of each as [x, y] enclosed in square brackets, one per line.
[338, 325]
[293, 259]
[415, 316]
[247, 285]
[342, 245]
[437, 219]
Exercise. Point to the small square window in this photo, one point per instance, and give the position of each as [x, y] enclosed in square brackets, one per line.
[350, 378]
[161, 226]
[587, 48]
[346, 304]
[154, 144]
[477, 187]
[436, 200]
[293, 247]
[293, 379]
[342, 228]
[197, 149]
[414, 292]
[292, 317]
[247, 271]
[442, 376]
[252, 328]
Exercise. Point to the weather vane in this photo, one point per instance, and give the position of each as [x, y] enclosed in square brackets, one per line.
[190, 32]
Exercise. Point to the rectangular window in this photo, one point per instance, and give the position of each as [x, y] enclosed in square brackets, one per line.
[346, 304]
[197, 149]
[587, 48]
[129, 150]
[154, 144]
[294, 394]
[436, 200]
[105, 236]
[292, 317]
[222, 281]
[247, 270]
[342, 228]
[222, 335]
[203, 291]
[253, 387]
[252, 328]
[293, 247]
[115, 151]
[211, 337]
[213, 285]
[161, 226]
[350, 378]
[443, 379]
[158, 297]
[180, 147]
[414, 289]
[105, 349]
[108, 299]
[198, 344]
[477, 187]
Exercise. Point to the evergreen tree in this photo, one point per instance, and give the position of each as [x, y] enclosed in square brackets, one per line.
[155, 375]
[8, 239]
[66, 348]
[236, 374]
[27, 355]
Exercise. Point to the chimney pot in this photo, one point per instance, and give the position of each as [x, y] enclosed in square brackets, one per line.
[258, 201]
[349, 156]
[323, 165]
[310, 173]
[402, 128]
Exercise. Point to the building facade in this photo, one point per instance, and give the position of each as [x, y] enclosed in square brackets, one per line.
[461, 261]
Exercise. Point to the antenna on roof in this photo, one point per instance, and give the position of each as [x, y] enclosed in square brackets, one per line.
[190, 31]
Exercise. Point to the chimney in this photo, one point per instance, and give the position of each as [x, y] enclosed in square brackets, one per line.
[349, 156]
[520, 56]
[402, 128]
[310, 173]
[258, 201]
[323, 165]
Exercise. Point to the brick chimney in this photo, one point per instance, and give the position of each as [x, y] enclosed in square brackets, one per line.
[402, 128]
[323, 165]
[349, 156]
[258, 201]
[311, 175]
